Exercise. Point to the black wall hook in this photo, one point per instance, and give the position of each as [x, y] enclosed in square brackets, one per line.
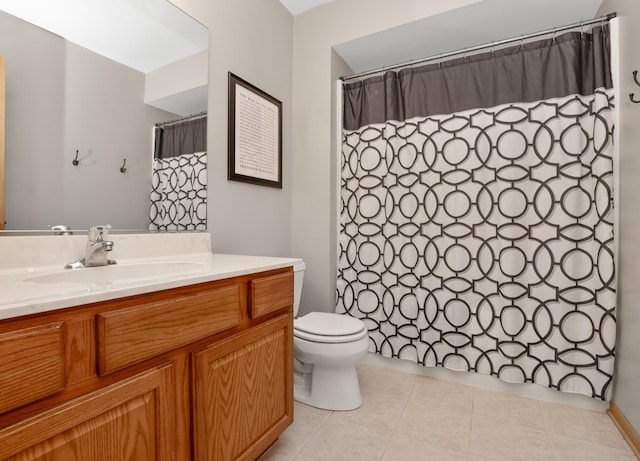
[75, 161]
[632, 95]
[122, 168]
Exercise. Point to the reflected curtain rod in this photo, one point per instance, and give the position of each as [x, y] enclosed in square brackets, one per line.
[522, 38]
[182, 119]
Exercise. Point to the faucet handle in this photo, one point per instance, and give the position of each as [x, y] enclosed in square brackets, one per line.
[99, 233]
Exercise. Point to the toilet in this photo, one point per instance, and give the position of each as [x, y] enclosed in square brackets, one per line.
[327, 347]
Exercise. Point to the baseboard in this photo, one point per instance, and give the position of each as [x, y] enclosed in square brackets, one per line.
[625, 428]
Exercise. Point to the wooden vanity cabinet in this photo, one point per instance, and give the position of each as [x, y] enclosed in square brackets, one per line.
[201, 372]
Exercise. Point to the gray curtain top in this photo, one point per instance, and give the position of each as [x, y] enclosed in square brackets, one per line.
[188, 137]
[571, 63]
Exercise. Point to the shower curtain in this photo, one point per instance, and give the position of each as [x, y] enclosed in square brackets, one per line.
[476, 221]
[179, 177]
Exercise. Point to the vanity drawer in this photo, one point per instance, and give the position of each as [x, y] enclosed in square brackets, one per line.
[137, 333]
[31, 364]
[272, 293]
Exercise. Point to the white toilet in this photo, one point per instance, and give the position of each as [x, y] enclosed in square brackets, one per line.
[327, 347]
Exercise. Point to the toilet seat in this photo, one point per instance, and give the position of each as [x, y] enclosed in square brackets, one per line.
[324, 327]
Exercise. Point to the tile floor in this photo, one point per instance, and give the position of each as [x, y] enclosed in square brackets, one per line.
[409, 417]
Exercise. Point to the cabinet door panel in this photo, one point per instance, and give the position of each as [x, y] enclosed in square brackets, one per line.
[244, 392]
[31, 364]
[132, 419]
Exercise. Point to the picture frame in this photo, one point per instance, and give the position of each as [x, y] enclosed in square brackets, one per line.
[255, 135]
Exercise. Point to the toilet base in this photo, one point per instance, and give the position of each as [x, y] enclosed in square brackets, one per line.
[329, 388]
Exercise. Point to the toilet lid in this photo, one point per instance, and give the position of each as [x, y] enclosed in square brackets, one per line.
[327, 327]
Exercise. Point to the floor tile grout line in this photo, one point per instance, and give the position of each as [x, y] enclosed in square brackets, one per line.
[304, 444]
[411, 396]
[473, 403]
[579, 439]
[552, 448]
[393, 431]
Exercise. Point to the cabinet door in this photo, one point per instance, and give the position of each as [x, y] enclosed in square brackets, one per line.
[243, 396]
[34, 355]
[130, 420]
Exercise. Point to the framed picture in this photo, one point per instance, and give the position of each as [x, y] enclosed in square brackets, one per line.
[255, 135]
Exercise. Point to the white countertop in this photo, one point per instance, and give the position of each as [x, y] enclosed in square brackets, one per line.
[20, 296]
[34, 284]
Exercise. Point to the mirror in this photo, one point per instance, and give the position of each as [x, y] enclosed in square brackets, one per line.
[83, 93]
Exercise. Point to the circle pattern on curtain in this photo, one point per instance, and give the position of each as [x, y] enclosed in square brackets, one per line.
[483, 240]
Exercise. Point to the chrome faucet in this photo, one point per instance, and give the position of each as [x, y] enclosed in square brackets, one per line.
[95, 253]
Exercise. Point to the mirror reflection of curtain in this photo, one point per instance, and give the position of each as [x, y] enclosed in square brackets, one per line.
[179, 177]
[476, 228]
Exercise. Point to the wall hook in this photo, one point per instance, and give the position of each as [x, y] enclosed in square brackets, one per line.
[75, 161]
[635, 80]
[122, 168]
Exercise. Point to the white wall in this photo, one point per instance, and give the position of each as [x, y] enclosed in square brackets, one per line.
[627, 378]
[314, 205]
[252, 39]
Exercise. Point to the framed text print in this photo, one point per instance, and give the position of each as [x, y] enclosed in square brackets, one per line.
[255, 135]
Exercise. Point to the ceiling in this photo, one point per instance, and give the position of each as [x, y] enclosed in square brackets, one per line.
[298, 6]
[482, 22]
[177, 36]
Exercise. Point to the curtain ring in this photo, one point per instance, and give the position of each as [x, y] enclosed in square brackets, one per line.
[582, 29]
[440, 60]
[521, 42]
[553, 37]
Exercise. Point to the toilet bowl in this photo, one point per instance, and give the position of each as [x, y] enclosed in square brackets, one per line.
[327, 347]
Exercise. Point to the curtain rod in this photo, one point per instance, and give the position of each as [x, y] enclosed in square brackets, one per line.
[601, 20]
[182, 119]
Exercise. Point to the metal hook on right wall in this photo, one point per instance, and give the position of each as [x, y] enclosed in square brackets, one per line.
[122, 168]
[632, 95]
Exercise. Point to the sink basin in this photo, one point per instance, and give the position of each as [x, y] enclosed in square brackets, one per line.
[118, 273]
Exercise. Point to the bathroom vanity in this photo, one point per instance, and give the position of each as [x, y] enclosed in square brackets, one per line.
[191, 365]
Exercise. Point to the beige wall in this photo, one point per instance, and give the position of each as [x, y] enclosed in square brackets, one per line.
[53, 109]
[107, 126]
[184, 75]
[252, 39]
[627, 378]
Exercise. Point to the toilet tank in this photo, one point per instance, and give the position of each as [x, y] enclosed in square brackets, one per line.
[298, 276]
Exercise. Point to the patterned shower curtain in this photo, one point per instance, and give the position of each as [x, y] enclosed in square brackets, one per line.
[476, 227]
[179, 177]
